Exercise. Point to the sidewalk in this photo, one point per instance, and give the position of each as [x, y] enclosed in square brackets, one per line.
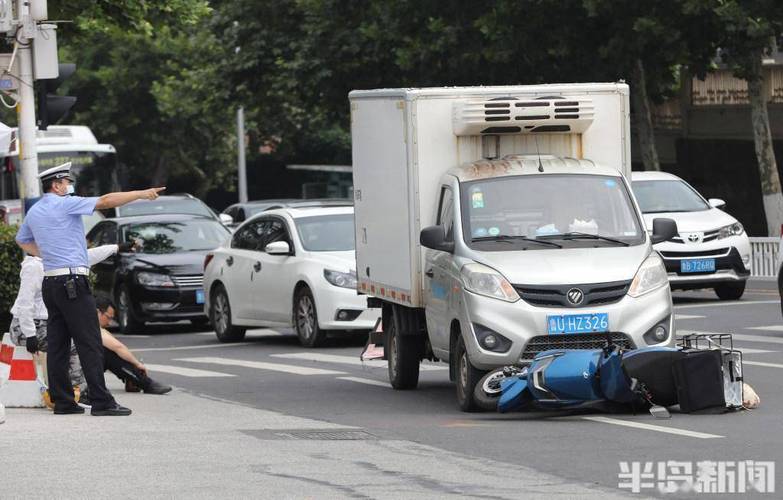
[184, 446]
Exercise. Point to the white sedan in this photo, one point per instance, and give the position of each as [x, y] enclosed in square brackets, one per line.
[712, 249]
[288, 266]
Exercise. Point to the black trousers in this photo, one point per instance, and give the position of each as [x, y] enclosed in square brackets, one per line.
[75, 319]
[121, 368]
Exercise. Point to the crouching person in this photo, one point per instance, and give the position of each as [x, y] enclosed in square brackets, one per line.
[119, 360]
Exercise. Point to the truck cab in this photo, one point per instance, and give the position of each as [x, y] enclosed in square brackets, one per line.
[486, 242]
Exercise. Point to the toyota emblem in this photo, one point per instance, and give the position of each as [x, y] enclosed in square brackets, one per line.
[575, 296]
[693, 237]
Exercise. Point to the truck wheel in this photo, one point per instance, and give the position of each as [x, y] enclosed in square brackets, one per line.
[467, 377]
[404, 355]
[220, 314]
[730, 291]
[306, 320]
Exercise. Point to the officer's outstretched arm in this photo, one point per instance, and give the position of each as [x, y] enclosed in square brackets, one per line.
[113, 200]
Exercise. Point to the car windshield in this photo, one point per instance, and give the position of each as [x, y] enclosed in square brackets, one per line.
[327, 233]
[162, 206]
[180, 236]
[667, 196]
[571, 210]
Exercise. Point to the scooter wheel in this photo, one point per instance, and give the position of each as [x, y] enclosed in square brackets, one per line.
[487, 391]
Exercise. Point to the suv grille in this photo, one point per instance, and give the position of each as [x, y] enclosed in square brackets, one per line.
[698, 253]
[543, 343]
[192, 280]
[555, 295]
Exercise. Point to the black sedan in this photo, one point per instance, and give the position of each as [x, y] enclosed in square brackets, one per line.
[162, 280]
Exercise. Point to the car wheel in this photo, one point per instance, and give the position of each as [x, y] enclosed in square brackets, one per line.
[220, 314]
[403, 355]
[125, 319]
[467, 377]
[730, 291]
[306, 320]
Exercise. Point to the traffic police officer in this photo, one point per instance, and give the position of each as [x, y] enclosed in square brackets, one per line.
[53, 230]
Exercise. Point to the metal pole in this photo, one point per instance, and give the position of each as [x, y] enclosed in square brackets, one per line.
[242, 172]
[29, 187]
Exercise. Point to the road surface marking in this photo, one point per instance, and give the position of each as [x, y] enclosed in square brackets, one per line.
[260, 365]
[771, 328]
[651, 427]
[748, 350]
[186, 372]
[188, 347]
[366, 381]
[721, 303]
[759, 363]
[131, 336]
[261, 332]
[688, 316]
[346, 360]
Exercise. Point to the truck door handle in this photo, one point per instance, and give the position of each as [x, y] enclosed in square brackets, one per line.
[257, 266]
[230, 260]
[429, 273]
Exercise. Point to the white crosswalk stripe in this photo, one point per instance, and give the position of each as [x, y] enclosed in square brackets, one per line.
[346, 360]
[688, 316]
[185, 372]
[770, 328]
[366, 381]
[260, 365]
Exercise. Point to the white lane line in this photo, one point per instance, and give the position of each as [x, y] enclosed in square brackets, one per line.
[260, 365]
[366, 381]
[261, 332]
[188, 347]
[771, 328]
[345, 360]
[748, 350]
[759, 363]
[651, 427]
[721, 303]
[131, 336]
[688, 316]
[186, 372]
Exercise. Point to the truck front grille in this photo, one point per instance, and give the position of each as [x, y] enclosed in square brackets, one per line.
[543, 343]
[556, 295]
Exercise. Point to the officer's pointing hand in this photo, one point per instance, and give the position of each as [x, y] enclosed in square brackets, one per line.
[151, 193]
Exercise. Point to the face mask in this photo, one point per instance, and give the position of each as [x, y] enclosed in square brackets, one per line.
[70, 189]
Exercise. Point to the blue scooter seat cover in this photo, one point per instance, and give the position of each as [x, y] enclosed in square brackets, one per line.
[514, 394]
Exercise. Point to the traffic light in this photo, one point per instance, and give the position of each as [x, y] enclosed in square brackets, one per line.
[52, 107]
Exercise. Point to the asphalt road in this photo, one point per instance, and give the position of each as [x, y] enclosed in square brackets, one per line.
[271, 371]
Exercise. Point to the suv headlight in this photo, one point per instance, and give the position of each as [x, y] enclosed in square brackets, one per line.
[735, 229]
[650, 276]
[343, 280]
[484, 280]
[154, 279]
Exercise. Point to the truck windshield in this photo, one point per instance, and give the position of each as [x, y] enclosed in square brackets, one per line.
[657, 197]
[572, 210]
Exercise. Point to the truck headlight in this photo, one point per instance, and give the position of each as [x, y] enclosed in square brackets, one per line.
[484, 280]
[650, 276]
[154, 279]
[343, 280]
[735, 229]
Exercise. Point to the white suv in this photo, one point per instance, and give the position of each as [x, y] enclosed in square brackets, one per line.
[288, 266]
[712, 249]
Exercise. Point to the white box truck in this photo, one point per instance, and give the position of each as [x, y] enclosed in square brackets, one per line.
[494, 223]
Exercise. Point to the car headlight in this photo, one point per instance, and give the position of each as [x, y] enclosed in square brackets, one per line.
[650, 276]
[154, 279]
[484, 280]
[343, 280]
[735, 229]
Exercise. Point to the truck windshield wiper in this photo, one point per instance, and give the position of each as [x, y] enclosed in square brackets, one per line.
[575, 235]
[509, 238]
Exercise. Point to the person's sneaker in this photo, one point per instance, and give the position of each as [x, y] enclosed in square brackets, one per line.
[130, 386]
[154, 387]
[84, 400]
[68, 410]
[116, 410]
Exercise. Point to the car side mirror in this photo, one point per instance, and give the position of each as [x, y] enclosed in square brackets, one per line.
[663, 230]
[225, 219]
[278, 248]
[716, 202]
[434, 237]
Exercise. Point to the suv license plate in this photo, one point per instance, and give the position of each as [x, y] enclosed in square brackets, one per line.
[697, 266]
[577, 323]
[199, 296]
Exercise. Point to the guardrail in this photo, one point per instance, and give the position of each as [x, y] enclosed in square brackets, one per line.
[764, 257]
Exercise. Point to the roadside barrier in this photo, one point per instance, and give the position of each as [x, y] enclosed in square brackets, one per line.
[19, 387]
[764, 257]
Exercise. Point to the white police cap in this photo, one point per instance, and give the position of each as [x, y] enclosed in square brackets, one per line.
[59, 172]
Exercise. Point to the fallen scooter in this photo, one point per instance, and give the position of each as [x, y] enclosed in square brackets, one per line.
[702, 374]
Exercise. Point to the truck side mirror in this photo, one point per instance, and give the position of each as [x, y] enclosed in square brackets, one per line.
[434, 237]
[663, 230]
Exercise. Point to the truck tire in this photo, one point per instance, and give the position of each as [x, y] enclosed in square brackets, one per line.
[467, 377]
[730, 291]
[404, 355]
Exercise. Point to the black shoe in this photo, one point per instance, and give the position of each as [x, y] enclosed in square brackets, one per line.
[115, 410]
[84, 399]
[68, 410]
[152, 387]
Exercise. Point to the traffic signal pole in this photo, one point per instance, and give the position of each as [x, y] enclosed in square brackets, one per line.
[29, 187]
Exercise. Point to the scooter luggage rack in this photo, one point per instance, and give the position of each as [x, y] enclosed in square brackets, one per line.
[703, 341]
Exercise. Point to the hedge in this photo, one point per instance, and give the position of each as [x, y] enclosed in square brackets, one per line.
[10, 258]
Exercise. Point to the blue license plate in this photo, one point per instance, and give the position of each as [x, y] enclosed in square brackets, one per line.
[578, 323]
[697, 266]
[199, 296]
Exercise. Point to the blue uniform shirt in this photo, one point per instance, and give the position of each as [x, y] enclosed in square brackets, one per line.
[54, 223]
